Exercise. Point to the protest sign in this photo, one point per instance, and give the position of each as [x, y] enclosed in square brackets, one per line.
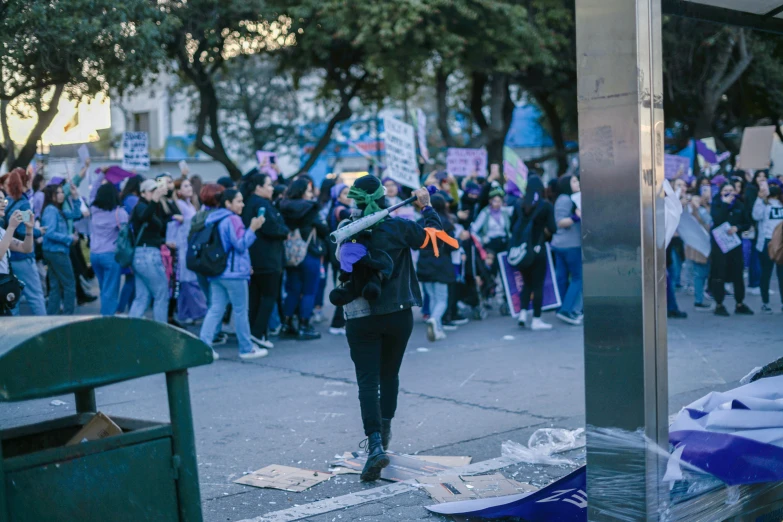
[466, 162]
[512, 283]
[421, 125]
[84, 155]
[693, 234]
[756, 150]
[725, 241]
[400, 144]
[676, 166]
[135, 151]
[515, 169]
[267, 162]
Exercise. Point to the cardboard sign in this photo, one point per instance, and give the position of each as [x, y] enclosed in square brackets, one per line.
[99, 427]
[421, 131]
[466, 162]
[512, 283]
[676, 166]
[267, 162]
[400, 468]
[284, 478]
[84, 154]
[135, 151]
[756, 150]
[725, 241]
[455, 488]
[400, 144]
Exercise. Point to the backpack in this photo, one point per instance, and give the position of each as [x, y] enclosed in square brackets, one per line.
[125, 245]
[296, 248]
[206, 254]
[775, 247]
[523, 251]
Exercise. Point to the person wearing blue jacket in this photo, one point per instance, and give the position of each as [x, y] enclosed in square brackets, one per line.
[57, 243]
[232, 285]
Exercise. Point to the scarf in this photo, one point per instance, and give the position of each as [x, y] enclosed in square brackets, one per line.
[361, 197]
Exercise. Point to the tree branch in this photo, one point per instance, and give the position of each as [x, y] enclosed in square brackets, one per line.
[441, 90]
[745, 59]
[477, 100]
[45, 119]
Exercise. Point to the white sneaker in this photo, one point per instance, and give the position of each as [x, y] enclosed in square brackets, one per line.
[262, 341]
[255, 353]
[440, 335]
[538, 324]
[754, 291]
[523, 318]
[215, 355]
[337, 331]
[318, 317]
[432, 330]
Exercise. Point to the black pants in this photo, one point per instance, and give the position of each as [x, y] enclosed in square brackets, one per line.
[533, 278]
[467, 292]
[767, 267]
[727, 268]
[264, 291]
[378, 344]
[79, 269]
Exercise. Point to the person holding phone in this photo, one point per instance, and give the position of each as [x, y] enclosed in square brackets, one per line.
[768, 212]
[266, 254]
[727, 267]
[9, 244]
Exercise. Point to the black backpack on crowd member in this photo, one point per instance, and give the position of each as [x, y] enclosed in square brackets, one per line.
[522, 252]
[206, 254]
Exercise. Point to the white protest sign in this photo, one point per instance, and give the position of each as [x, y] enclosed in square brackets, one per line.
[421, 121]
[84, 154]
[466, 162]
[400, 141]
[756, 150]
[135, 151]
[725, 241]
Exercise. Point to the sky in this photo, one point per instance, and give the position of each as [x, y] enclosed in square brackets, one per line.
[94, 114]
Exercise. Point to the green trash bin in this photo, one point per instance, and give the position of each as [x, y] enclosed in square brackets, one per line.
[148, 472]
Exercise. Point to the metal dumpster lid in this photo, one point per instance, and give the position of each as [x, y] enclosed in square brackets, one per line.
[46, 356]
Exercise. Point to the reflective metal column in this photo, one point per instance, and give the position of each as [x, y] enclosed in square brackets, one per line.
[621, 162]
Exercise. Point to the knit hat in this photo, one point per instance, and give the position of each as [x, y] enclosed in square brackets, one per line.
[148, 185]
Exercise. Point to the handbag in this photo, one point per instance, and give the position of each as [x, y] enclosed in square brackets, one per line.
[10, 290]
[296, 248]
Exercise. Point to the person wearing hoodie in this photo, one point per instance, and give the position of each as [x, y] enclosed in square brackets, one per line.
[728, 266]
[567, 249]
[191, 301]
[533, 206]
[768, 213]
[232, 285]
[302, 213]
[266, 255]
[436, 273]
[378, 331]
[19, 186]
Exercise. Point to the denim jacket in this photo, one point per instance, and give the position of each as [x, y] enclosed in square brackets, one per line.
[396, 237]
[57, 238]
[236, 241]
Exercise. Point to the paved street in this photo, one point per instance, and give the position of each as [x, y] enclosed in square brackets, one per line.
[464, 396]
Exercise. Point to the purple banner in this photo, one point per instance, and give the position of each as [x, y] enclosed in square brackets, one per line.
[676, 166]
[512, 283]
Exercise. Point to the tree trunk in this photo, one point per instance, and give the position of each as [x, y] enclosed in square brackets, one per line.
[343, 114]
[45, 118]
[9, 152]
[555, 129]
[208, 114]
[442, 90]
[501, 110]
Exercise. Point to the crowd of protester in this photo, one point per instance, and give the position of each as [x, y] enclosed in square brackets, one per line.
[54, 242]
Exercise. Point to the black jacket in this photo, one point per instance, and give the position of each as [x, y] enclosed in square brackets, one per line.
[304, 215]
[431, 269]
[152, 214]
[734, 214]
[266, 254]
[544, 225]
[397, 237]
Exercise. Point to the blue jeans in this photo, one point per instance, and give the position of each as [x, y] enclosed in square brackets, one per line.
[151, 283]
[675, 270]
[701, 272]
[108, 273]
[568, 262]
[27, 272]
[671, 298]
[302, 285]
[62, 283]
[223, 292]
[128, 292]
[439, 300]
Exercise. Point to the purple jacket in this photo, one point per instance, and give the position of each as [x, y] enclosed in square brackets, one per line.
[235, 241]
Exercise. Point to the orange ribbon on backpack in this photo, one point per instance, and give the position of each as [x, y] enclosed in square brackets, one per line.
[433, 235]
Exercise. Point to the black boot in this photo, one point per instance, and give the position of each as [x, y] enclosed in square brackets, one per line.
[377, 459]
[386, 433]
[288, 328]
[306, 331]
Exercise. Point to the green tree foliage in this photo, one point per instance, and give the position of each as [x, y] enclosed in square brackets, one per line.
[74, 48]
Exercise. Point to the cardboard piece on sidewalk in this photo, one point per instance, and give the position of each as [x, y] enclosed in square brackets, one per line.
[285, 478]
[451, 462]
[99, 427]
[400, 468]
[454, 488]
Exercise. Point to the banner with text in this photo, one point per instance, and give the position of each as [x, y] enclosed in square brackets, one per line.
[267, 163]
[466, 162]
[135, 151]
[512, 283]
[400, 145]
[676, 166]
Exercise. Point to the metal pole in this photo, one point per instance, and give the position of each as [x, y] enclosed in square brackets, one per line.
[621, 142]
[85, 401]
[184, 443]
